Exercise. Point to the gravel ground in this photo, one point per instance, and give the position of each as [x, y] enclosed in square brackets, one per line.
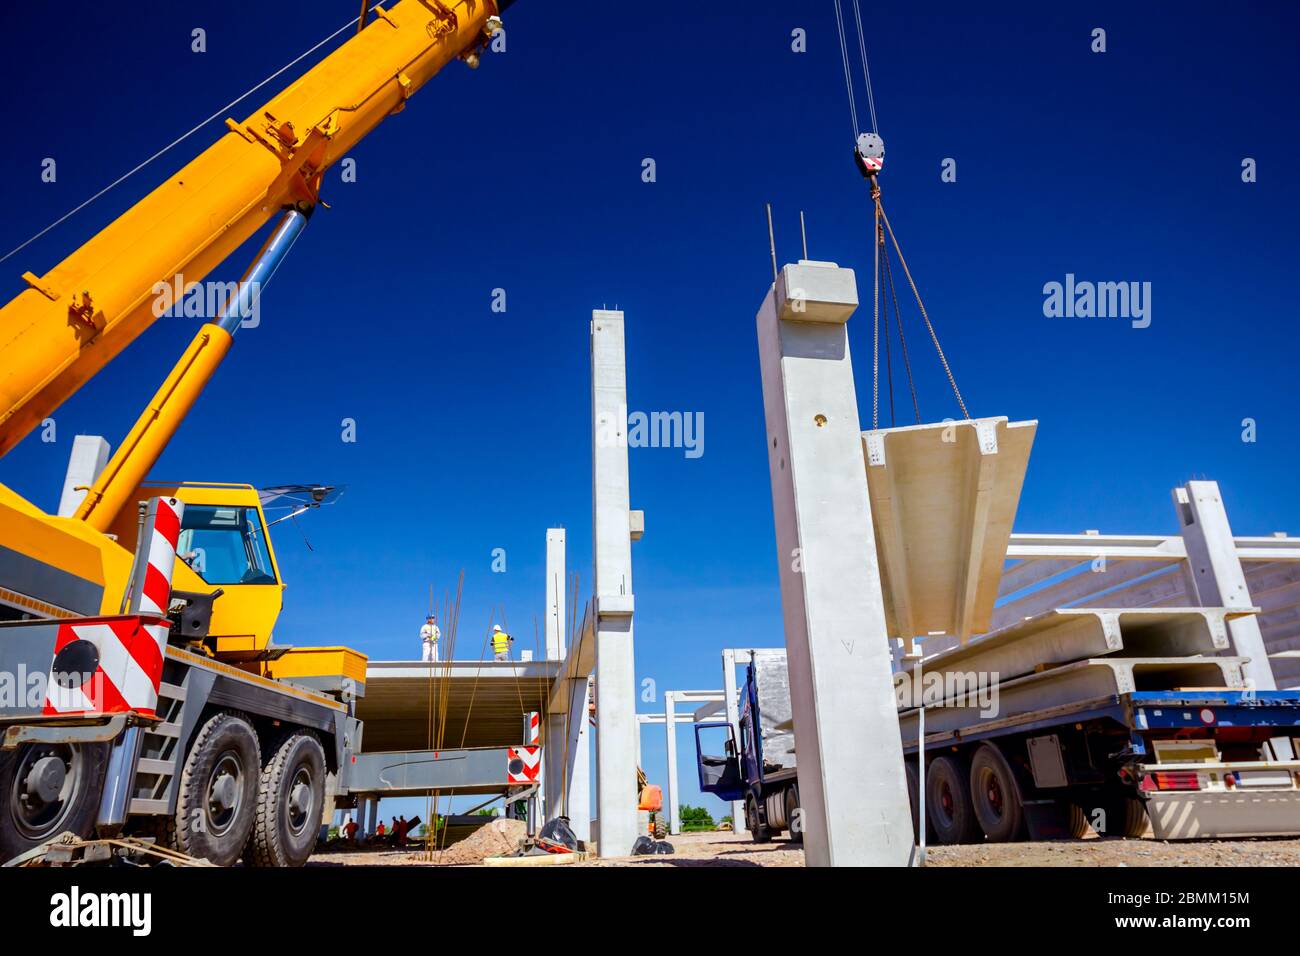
[726, 849]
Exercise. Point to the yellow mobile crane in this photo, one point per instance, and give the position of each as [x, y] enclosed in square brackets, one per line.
[246, 732]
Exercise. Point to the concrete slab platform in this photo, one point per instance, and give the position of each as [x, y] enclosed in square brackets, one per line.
[484, 702]
[943, 499]
[1073, 634]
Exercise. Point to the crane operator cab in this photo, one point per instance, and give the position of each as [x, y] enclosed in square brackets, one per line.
[227, 573]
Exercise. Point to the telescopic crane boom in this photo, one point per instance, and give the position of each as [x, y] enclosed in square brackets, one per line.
[78, 316]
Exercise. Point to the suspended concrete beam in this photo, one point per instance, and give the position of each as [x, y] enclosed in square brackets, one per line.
[412, 773]
[612, 554]
[943, 498]
[1074, 634]
[851, 782]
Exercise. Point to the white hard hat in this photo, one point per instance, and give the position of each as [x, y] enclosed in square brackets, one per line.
[496, 627]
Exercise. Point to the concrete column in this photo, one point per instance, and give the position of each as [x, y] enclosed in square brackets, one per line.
[612, 553]
[639, 761]
[553, 765]
[670, 739]
[851, 783]
[88, 458]
[577, 798]
[555, 596]
[1216, 574]
[729, 692]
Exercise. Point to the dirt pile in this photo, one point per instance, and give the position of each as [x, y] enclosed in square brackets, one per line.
[492, 839]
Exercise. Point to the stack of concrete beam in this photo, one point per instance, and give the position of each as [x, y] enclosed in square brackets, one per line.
[1069, 656]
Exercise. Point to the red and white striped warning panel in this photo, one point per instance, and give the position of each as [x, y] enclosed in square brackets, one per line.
[522, 764]
[533, 727]
[107, 665]
[156, 550]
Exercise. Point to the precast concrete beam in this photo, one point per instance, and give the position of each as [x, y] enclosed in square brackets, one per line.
[966, 703]
[943, 499]
[1073, 634]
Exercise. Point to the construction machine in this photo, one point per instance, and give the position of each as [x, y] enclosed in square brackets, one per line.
[246, 735]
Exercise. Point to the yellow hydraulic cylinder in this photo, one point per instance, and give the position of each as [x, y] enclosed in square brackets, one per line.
[136, 455]
[75, 318]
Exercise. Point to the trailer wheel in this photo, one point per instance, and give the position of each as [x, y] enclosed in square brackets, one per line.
[48, 789]
[1126, 816]
[1076, 822]
[289, 799]
[948, 803]
[218, 790]
[995, 795]
[759, 833]
[1114, 814]
[793, 815]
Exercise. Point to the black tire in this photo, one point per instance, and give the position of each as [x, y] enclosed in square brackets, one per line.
[913, 797]
[793, 815]
[947, 802]
[48, 789]
[1076, 822]
[290, 796]
[759, 833]
[1123, 816]
[995, 795]
[216, 802]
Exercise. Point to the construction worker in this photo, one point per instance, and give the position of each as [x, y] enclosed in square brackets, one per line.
[501, 642]
[350, 829]
[429, 635]
[381, 830]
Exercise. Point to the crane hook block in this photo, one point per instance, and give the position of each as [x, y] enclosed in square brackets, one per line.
[869, 154]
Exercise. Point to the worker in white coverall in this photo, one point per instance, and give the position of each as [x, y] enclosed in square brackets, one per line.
[429, 635]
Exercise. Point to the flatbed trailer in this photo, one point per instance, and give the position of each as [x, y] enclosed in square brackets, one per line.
[1189, 761]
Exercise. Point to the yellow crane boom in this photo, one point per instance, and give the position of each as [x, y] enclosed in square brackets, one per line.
[79, 315]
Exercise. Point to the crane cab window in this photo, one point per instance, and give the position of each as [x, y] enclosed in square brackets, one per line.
[225, 545]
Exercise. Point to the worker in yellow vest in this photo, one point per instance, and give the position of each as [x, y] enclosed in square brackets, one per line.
[501, 642]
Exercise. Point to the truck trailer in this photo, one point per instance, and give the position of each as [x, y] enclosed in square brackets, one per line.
[1191, 763]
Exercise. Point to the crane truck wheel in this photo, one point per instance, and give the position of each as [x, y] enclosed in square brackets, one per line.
[1124, 816]
[948, 803]
[48, 789]
[216, 802]
[289, 800]
[995, 795]
[758, 832]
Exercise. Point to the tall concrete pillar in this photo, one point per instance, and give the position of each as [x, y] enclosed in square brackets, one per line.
[555, 596]
[612, 553]
[88, 458]
[852, 788]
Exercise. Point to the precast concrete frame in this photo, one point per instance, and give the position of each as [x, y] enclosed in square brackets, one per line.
[671, 699]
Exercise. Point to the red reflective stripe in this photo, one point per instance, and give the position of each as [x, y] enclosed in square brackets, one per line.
[157, 588]
[166, 523]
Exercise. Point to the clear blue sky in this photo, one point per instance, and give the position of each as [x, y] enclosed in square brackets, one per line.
[473, 427]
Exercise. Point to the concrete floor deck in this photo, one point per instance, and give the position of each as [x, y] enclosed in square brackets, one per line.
[484, 702]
